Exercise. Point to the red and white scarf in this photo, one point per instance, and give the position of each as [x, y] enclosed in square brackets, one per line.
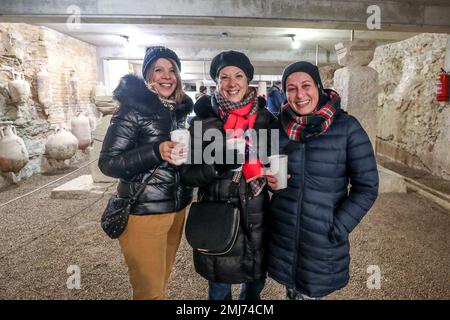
[239, 117]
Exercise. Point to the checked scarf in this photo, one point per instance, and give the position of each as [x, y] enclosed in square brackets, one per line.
[238, 117]
[298, 128]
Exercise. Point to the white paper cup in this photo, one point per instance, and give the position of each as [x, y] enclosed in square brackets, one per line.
[183, 137]
[279, 168]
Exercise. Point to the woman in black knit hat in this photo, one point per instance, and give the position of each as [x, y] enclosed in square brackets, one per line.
[233, 109]
[311, 219]
[138, 144]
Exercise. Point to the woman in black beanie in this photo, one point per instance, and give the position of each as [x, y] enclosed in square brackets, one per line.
[233, 109]
[311, 219]
[137, 144]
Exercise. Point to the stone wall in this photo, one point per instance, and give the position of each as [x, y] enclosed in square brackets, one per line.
[412, 128]
[327, 74]
[26, 49]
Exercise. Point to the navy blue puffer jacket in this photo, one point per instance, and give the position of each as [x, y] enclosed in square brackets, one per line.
[312, 217]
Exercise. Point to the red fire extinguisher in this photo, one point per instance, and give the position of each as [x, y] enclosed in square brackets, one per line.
[442, 83]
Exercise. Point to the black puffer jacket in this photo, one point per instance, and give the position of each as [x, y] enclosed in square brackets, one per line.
[130, 149]
[247, 260]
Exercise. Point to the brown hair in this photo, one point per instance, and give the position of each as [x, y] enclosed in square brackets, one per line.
[178, 95]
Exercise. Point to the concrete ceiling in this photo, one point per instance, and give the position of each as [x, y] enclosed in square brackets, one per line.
[269, 48]
[199, 29]
[219, 37]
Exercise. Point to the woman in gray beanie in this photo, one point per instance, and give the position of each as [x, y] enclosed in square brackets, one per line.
[138, 144]
[328, 151]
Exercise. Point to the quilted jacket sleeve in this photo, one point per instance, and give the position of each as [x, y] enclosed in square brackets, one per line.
[120, 156]
[363, 175]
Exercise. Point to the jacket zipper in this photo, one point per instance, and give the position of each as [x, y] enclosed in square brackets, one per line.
[299, 210]
[176, 190]
[173, 125]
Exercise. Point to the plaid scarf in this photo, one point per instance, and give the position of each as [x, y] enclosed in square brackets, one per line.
[226, 106]
[298, 128]
[238, 117]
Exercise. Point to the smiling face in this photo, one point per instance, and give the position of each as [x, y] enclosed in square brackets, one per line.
[232, 83]
[302, 93]
[163, 76]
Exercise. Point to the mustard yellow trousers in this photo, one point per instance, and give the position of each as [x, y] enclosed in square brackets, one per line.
[149, 245]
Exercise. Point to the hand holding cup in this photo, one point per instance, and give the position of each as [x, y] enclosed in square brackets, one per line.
[277, 176]
[180, 151]
[166, 149]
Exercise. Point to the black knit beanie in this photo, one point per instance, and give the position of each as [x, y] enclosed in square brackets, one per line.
[302, 66]
[154, 53]
[231, 58]
[313, 71]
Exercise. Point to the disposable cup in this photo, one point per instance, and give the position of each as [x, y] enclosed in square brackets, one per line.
[183, 137]
[279, 168]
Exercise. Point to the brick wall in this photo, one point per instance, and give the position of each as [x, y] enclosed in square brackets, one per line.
[60, 54]
[26, 48]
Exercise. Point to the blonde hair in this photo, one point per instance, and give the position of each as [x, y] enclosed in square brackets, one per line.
[178, 95]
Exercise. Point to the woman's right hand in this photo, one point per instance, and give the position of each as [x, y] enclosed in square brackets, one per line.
[168, 150]
[272, 180]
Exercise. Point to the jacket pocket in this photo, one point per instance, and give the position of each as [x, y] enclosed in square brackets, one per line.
[337, 233]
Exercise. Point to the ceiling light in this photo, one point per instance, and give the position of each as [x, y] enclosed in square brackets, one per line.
[295, 44]
[125, 39]
[140, 39]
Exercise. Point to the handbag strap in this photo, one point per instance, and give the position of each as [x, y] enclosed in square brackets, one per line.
[234, 191]
[234, 186]
[141, 188]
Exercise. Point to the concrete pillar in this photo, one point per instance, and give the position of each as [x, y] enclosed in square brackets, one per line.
[262, 88]
[447, 56]
[357, 84]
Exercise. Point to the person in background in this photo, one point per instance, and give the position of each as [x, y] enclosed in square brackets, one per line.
[137, 143]
[333, 184]
[198, 95]
[275, 98]
[201, 92]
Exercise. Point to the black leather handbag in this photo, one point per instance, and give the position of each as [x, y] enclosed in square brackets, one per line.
[115, 217]
[212, 227]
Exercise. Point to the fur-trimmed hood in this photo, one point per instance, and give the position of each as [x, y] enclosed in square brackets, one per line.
[133, 93]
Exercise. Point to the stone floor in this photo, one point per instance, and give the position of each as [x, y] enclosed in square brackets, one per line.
[405, 235]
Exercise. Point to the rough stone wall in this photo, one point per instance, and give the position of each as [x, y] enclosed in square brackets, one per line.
[412, 128]
[25, 49]
[357, 87]
[327, 74]
[69, 54]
